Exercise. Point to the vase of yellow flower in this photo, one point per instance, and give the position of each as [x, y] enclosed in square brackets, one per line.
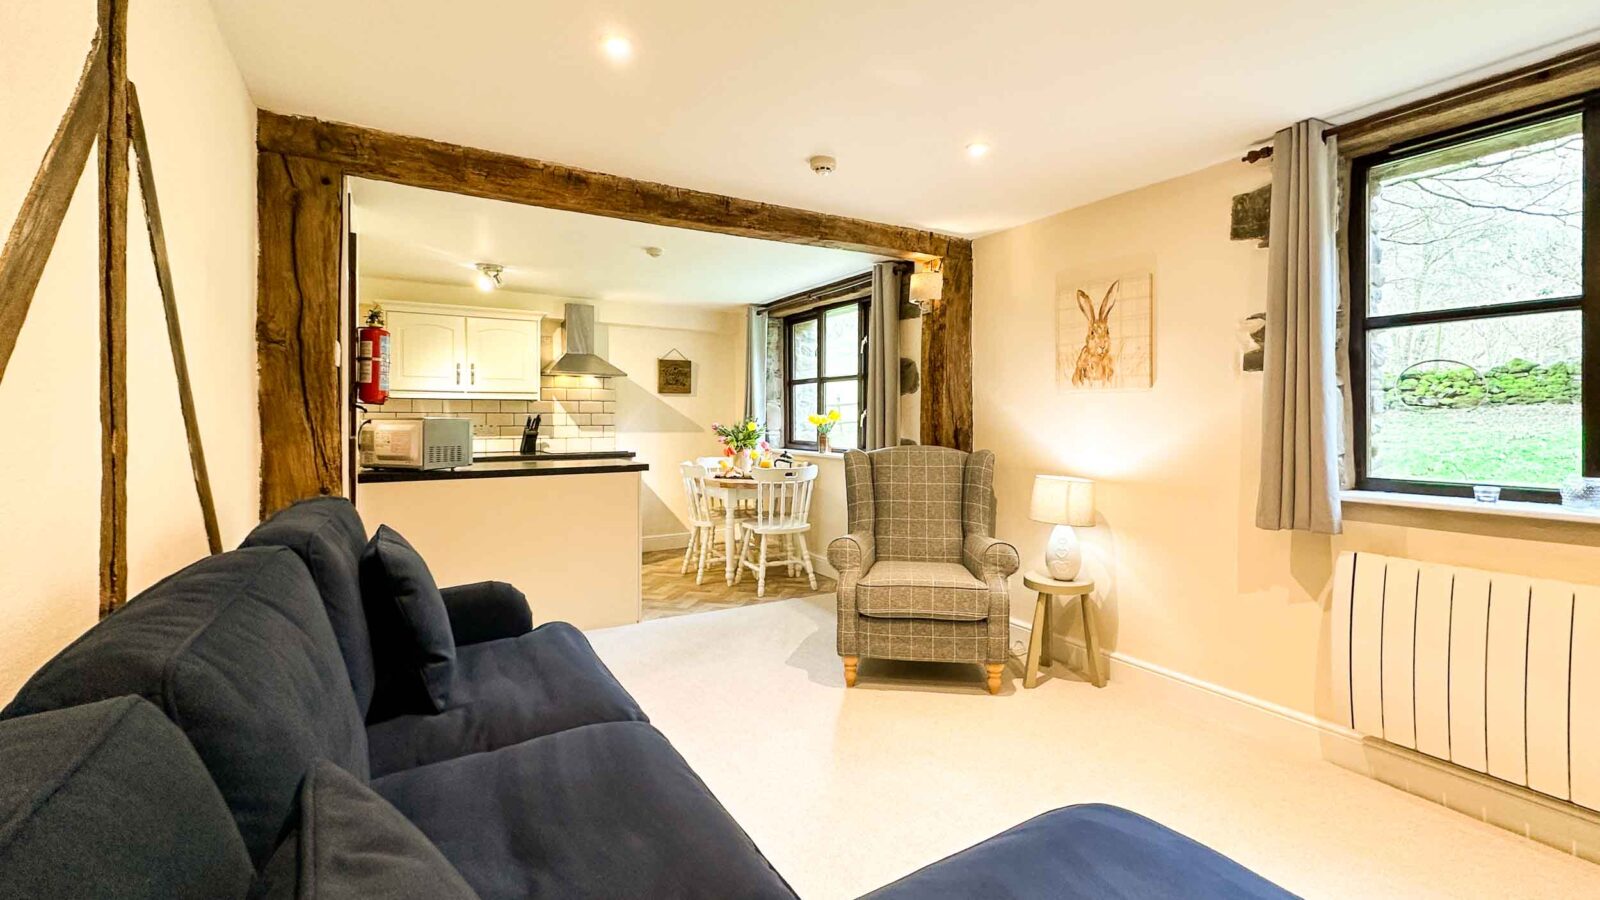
[824, 424]
[739, 441]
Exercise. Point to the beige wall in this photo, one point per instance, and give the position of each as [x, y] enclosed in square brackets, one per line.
[201, 125]
[1186, 581]
[662, 429]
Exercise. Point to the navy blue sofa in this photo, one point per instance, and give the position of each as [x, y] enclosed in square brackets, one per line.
[173, 749]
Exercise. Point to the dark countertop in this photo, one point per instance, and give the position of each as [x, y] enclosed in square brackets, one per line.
[545, 464]
[589, 454]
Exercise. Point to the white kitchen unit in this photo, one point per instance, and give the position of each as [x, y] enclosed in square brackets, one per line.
[460, 351]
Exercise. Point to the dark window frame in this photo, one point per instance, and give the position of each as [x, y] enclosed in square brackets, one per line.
[1587, 303]
[863, 305]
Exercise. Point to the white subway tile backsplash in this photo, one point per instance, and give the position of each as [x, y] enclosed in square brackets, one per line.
[485, 406]
[591, 406]
[427, 406]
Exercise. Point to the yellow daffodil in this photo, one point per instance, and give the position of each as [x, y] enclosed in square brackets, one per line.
[815, 419]
[833, 415]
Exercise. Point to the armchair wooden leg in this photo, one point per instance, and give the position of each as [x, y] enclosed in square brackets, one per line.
[850, 663]
[994, 670]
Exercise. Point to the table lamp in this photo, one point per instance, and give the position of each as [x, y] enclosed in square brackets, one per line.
[1064, 502]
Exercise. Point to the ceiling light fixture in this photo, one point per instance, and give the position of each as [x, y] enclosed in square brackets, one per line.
[617, 48]
[489, 276]
[977, 149]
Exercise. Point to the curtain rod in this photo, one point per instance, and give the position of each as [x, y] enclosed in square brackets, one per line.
[818, 294]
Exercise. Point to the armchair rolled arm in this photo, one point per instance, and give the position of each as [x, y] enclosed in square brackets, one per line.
[989, 558]
[486, 611]
[853, 553]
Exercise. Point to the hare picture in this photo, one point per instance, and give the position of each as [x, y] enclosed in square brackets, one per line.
[1095, 365]
[1104, 330]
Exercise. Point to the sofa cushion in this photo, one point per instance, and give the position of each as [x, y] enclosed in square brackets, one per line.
[1087, 851]
[109, 800]
[235, 649]
[327, 535]
[607, 810]
[506, 692]
[348, 843]
[414, 649]
[917, 494]
[896, 589]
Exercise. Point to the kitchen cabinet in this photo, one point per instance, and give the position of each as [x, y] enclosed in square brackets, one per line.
[463, 352]
[499, 358]
[427, 352]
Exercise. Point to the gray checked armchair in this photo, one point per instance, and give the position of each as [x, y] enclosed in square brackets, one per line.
[921, 575]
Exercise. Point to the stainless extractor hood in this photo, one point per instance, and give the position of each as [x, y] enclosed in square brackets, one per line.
[580, 358]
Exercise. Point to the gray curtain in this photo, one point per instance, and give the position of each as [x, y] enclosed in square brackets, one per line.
[1302, 408]
[883, 355]
[755, 367]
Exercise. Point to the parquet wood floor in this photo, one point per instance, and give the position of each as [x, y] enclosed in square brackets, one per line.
[666, 593]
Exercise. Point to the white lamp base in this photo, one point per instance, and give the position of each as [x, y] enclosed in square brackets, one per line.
[1062, 556]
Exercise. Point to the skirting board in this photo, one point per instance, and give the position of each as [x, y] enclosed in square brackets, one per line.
[675, 541]
[1564, 826]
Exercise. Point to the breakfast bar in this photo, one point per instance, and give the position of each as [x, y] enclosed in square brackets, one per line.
[564, 530]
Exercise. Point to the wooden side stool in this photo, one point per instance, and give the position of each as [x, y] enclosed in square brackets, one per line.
[1039, 642]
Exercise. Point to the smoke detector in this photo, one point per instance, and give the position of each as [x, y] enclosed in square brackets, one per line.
[652, 252]
[823, 165]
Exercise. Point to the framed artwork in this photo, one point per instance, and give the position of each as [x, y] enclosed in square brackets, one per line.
[674, 376]
[1104, 333]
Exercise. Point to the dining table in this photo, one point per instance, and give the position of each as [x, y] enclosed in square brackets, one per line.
[731, 490]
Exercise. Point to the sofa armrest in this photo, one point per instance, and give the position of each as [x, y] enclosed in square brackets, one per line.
[989, 558]
[486, 611]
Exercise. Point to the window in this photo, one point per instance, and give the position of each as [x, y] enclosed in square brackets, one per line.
[825, 368]
[1475, 308]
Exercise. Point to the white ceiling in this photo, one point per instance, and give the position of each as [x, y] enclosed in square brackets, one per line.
[1080, 100]
[421, 235]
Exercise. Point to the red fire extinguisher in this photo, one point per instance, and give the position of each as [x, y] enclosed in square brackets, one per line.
[372, 359]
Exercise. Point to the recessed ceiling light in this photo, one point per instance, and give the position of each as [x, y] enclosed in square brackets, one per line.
[977, 149]
[617, 48]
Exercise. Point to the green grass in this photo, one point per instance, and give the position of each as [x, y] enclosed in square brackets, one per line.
[1519, 445]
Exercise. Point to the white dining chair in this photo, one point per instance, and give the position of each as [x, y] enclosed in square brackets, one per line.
[782, 510]
[713, 466]
[705, 522]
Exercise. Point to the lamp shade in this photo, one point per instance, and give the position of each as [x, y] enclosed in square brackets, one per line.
[1062, 500]
[926, 287]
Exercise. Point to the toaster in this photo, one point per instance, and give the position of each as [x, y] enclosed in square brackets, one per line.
[421, 442]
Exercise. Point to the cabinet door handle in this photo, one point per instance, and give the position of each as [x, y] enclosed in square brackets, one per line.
[458, 373]
[473, 367]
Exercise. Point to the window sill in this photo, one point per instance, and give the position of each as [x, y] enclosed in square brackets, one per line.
[814, 454]
[1506, 509]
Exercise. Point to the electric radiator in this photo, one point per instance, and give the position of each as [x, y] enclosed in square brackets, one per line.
[1496, 673]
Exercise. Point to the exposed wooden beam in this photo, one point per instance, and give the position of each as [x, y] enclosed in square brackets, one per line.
[33, 234]
[947, 360]
[302, 163]
[169, 303]
[1549, 81]
[114, 311]
[420, 162]
[297, 324]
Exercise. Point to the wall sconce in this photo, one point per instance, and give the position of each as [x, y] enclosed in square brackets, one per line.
[927, 287]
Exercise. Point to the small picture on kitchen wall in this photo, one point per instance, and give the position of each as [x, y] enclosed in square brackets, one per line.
[1104, 333]
[674, 376]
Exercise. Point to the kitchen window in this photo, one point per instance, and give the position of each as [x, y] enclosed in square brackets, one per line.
[1475, 289]
[825, 368]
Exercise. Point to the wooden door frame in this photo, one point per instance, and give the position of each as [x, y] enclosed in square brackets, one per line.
[302, 164]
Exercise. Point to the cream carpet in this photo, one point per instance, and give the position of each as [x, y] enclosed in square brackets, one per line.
[847, 790]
